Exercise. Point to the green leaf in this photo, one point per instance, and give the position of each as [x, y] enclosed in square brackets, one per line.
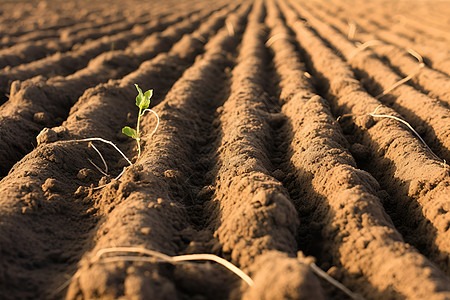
[130, 132]
[143, 100]
[146, 102]
[148, 94]
[139, 97]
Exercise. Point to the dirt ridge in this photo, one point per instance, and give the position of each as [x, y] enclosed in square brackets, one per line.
[266, 153]
[38, 103]
[428, 80]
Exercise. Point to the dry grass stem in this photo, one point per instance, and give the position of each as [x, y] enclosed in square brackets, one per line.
[351, 30]
[276, 37]
[373, 114]
[324, 275]
[361, 47]
[151, 255]
[230, 28]
[416, 55]
[90, 140]
[157, 120]
[410, 76]
[200, 38]
[344, 116]
[106, 142]
[372, 43]
[105, 172]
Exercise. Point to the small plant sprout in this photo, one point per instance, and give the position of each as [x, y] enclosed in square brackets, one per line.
[143, 102]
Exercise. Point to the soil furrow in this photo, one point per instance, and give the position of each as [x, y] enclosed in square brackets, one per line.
[67, 38]
[161, 72]
[433, 16]
[427, 80]
[69, 62]
[423, 30]
[267, 154]
[37, 204]
[154, 213]
[428, 113]
[9, 37]
[380, 17]
[413, 28]
[250, 212]
[48, 35]
[397, 159]
[56, 38]
[38, 103]
[357, 233]
[89, 15]
[30, 50]
[434, 19]
[438, 59]
[21, 262]
[24, 53]
[57, 20]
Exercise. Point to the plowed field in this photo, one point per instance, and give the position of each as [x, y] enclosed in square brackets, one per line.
[287, 141]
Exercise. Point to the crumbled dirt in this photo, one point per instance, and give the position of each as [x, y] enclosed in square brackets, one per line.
[266, 155]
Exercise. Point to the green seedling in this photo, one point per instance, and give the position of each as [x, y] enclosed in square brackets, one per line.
[143, 102]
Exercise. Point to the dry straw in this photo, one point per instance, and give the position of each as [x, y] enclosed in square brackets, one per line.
[410, 76]
[321, 273]
[277, 37]
[230, 28]
[310, 261]
[374, 114]
[104, 172]
[152, 256]
[372, 43]
[361, 47]
[351, 30]
[125, 254]
[90, 140]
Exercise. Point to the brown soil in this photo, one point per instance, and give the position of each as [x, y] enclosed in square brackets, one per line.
[266, 153]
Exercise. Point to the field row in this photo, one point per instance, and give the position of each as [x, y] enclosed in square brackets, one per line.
[276, 145]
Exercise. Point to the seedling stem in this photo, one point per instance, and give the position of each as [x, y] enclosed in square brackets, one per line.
[138, 133]
[143, 102]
